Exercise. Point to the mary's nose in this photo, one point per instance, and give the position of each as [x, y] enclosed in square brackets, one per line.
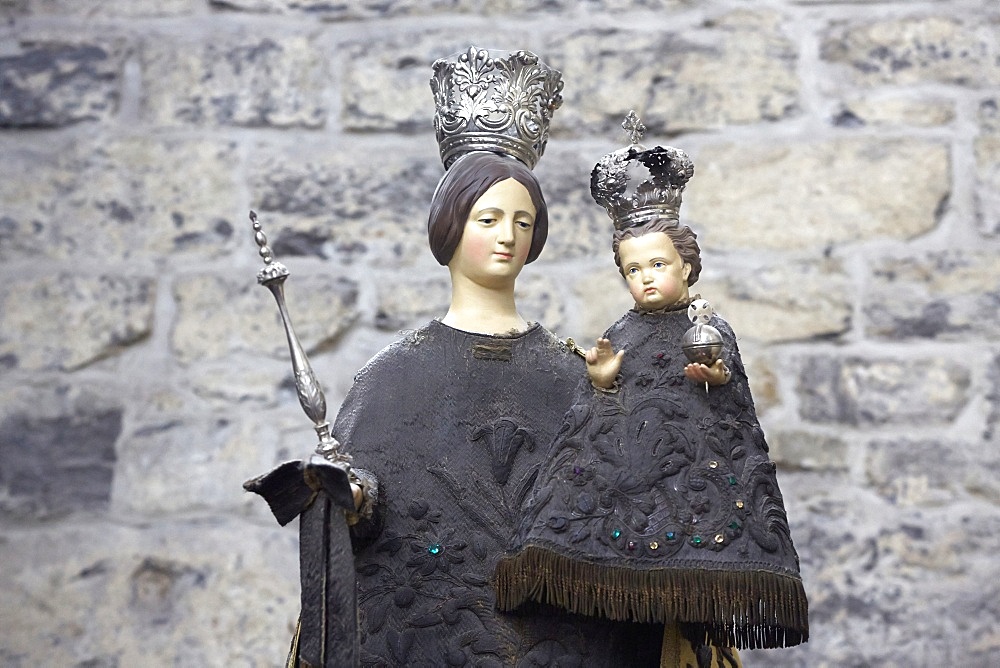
[505, 232]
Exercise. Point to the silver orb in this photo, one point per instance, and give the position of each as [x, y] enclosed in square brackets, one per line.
[702, 344]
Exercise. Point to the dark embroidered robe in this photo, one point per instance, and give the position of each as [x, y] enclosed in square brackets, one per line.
[659, 503]
[454, 425]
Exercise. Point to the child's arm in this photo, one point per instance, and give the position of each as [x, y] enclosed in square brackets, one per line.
[603, 364]
[717, 374]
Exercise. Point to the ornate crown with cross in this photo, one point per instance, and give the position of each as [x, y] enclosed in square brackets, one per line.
[495, 101]
[658, 196]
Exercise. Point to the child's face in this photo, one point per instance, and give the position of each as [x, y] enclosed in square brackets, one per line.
[655, 273]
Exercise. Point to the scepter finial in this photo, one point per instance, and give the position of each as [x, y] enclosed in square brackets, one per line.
[272, 271]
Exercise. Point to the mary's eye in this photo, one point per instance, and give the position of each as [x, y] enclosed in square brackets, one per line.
[659, 265]
[524, 225]
[487, 220]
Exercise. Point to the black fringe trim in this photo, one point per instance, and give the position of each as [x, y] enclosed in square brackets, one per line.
[746, 609]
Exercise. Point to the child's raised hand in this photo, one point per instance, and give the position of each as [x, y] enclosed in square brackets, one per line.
[603, 364]
[717, 374]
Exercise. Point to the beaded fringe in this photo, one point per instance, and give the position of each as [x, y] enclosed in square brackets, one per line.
[751, 609]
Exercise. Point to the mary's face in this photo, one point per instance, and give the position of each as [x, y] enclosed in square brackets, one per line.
[497, 236]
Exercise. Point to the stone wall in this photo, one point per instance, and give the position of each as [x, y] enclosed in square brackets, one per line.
[847, 194]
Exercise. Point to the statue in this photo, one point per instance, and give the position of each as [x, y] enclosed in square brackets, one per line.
[450, 423]
[657, 502]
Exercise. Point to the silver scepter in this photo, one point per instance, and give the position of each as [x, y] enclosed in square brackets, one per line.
[311, 396]
[318, 492]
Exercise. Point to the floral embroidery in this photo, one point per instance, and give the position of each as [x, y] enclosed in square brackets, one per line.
[504, 440]
[651, 466]
[433, 553]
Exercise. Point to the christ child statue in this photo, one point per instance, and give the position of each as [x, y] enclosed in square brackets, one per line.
[657, 501]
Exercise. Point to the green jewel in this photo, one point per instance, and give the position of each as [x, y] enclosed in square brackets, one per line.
[434, 548]
[734, 525]
[732, 480]
[696, 540]
[616, 534]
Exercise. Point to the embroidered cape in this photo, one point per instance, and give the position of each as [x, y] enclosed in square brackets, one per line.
[454, 425]
[659, 503]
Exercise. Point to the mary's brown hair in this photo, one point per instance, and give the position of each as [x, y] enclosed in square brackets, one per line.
[465, 182]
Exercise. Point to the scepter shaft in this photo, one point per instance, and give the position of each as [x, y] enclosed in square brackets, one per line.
[318, 492]
[307, 386]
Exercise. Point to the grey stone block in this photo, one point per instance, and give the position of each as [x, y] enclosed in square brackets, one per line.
[203, 582]
[345, 209]
[253, 82]
[737, 69]
[951, 295]
[105, 314]
[921, 48]
[752, 195]
[927, 471]
[51, 466]
[870, 392]
[120, 198]
[168, 466]
[50, 85]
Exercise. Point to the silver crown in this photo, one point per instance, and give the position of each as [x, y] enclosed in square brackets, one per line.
[658, 196]
[494, 101]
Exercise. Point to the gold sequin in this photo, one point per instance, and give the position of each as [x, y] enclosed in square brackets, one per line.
[719, 538]
[713, 464]
[654, 545]
[739, 504]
